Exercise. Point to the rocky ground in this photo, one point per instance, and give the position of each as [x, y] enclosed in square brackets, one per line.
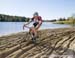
[52, 43]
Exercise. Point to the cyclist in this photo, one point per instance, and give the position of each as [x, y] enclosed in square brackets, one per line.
[37, 22]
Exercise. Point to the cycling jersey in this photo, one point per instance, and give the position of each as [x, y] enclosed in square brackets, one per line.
[36, 20]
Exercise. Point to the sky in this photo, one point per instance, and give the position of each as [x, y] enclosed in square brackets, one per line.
[48, 9]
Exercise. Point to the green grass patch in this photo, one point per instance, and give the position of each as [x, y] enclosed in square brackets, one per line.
[64, 22]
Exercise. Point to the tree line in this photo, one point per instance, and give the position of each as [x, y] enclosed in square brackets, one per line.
[8, 18]
[71, 19]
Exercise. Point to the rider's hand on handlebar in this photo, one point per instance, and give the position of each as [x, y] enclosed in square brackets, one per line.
[24, 26]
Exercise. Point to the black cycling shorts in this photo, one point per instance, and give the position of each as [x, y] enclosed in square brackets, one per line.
[35, 24]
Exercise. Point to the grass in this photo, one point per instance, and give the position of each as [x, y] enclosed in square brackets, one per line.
[64, 22]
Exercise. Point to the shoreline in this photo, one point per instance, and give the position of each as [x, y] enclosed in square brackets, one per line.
[10, 34]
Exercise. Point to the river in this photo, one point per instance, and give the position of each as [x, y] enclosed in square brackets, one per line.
[14, 27]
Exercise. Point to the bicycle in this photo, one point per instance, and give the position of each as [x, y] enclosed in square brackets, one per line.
[32, 34]
[29, 38]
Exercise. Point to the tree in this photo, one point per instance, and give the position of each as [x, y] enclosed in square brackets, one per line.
[72, 19]
[8, 18]
[23, 19]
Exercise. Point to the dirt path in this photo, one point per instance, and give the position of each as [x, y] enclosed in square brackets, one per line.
[52, 42]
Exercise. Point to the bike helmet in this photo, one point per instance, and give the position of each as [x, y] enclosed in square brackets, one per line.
[35, 14]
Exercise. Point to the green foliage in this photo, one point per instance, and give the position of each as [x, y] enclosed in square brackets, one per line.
[7, 18]
[61, 19]
[63, 22]
[69, 20]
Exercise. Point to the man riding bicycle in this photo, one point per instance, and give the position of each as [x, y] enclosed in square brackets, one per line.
[37, 22]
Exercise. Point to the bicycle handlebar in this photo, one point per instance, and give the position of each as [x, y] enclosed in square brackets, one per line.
[26, 27]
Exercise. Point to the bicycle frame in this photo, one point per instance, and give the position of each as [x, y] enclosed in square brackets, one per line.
[27, 27]
[31, 33]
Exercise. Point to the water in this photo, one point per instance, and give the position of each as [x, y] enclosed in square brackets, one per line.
[14, 27]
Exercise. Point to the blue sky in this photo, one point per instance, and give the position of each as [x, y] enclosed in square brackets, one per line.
[48, 9]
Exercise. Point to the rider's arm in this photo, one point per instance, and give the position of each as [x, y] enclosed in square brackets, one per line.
[40, 22]
[27, 23]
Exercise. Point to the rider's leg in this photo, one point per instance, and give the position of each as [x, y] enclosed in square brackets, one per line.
[30, 32]
[36, 27]
[33, 32]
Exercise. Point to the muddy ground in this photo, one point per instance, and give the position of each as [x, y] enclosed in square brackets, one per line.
[51, 43]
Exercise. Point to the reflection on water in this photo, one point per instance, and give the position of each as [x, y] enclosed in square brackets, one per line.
[13, 27]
